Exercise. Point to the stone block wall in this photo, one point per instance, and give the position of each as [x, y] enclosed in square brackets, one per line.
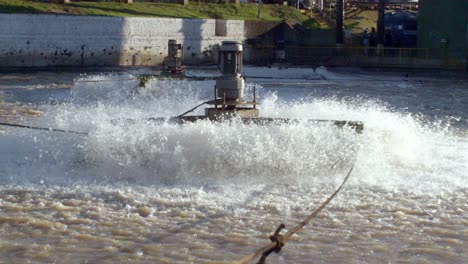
[61, 40]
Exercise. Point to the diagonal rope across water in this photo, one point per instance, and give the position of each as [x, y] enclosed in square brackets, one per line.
[278, 240]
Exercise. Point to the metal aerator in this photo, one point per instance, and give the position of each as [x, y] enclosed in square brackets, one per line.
[229, 103]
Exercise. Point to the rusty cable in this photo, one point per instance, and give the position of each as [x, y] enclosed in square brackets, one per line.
[278, 240]
[207, 102]
[44, 128]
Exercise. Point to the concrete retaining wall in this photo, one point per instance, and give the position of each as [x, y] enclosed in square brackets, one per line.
[56, 40]
[61, 40]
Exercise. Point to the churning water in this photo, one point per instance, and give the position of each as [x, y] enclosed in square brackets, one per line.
[137, 192]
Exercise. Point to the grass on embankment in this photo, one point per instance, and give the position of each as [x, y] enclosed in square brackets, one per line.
[358, 21]
[355, 20]
[149, 9]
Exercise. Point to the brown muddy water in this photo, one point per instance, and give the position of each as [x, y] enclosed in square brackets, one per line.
[137, 192]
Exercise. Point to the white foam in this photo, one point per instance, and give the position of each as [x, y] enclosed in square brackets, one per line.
[396, 149]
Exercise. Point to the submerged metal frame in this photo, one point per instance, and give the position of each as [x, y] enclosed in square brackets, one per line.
[357, 126]
[231, 107]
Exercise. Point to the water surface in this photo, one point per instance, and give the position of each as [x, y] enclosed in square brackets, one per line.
[212, 193]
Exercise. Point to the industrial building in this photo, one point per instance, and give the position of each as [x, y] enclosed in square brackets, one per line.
[443, 28]
[402, 27]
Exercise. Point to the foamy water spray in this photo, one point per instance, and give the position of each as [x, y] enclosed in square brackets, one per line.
[398, 149]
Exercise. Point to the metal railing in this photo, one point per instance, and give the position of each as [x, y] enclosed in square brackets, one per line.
[359, 56]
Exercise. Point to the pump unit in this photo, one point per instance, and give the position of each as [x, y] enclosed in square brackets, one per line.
[229, 102]
[229, 89]
[173, 61]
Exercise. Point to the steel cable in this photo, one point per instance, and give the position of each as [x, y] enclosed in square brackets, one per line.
[44, 128]
[207, 102]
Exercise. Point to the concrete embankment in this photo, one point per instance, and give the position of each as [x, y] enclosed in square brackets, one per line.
[62, 40]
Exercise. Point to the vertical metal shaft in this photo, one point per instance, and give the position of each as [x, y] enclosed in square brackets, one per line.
[259, 8]
[224, 100]
[381, 22]
[339, 22]
[215, 96]
[255, 97]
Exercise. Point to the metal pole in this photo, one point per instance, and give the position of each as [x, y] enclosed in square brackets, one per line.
[215, 96]
[259, 8]
[381, 22]
[255, 97]
[339, 22]
[224, 100]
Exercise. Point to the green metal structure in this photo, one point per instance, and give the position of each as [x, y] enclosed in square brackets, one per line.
[443, 29]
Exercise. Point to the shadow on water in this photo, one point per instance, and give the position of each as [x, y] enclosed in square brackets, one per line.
[37, 96]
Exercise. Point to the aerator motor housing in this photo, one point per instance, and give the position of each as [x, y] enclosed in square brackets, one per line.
[173, 61]
[229, 89]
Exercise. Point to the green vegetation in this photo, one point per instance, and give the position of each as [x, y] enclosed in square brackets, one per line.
[358, 20]
[311, 23]
[149, 9]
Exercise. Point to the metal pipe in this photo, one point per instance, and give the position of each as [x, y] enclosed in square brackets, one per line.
[255, 97]
[224, 100]
[215, 95]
